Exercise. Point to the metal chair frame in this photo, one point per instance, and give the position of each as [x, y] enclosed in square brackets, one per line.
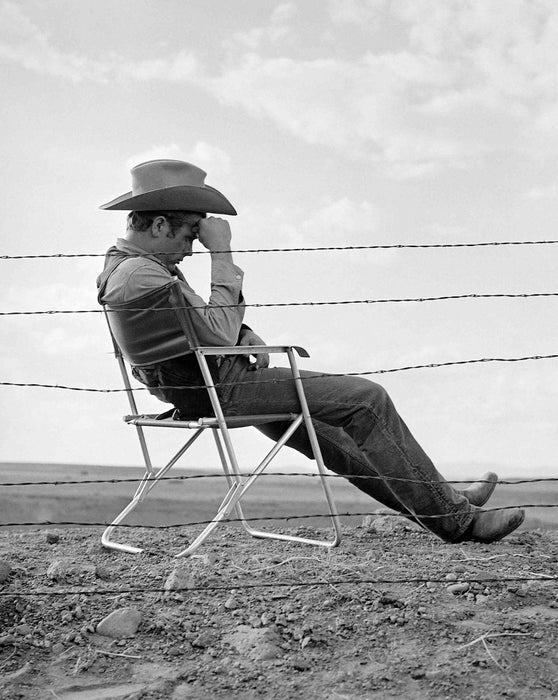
[220, 426]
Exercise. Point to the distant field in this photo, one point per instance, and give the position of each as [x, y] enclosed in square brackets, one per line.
[193, 500]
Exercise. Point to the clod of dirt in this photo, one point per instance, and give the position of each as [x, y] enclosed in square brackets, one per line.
[389, 598]
[300, 664]
[255, 644]
[120, 623]
[184, 691]
[5, 570]
[58, 569]
[458, 588]
[61, 569]
[203, 640]
[103, 572]
[181, 577]
[383, 524]
[52, 537]
[232, 603]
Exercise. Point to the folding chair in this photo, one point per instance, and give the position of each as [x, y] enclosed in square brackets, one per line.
[162, 310]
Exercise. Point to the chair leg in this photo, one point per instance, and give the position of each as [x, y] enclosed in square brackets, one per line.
[149, 481]
[138, 497]
[237, 489]
[228, 502]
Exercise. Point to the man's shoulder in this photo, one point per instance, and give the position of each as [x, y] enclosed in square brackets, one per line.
[132, 264]
[133, 277]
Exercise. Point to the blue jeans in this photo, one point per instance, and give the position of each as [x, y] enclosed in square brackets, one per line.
[360, 434]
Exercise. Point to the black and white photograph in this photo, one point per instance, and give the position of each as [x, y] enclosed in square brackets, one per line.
[279, 397]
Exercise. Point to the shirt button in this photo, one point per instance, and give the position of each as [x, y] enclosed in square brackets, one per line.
[238, 277]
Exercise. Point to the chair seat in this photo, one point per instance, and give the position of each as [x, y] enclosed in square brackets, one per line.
[153, 420]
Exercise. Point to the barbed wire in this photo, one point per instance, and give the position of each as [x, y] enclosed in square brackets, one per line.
[541, 578]
[314, 475]
[432, 365]
[307, 249]
[341, 302]
[258, 518]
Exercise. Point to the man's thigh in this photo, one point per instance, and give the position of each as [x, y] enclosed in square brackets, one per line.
[331, 398]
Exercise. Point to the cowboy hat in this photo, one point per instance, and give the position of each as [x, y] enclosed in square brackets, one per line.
[171, 185]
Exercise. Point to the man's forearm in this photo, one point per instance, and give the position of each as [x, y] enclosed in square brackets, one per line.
[218, 322]
[222, 256]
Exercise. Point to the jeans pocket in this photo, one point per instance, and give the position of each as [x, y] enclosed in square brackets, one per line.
[151, 378]
[190, 395]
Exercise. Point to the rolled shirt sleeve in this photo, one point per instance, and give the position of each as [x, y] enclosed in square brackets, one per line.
[218, 321]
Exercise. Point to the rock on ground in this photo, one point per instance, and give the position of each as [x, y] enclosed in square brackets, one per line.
[120, 623]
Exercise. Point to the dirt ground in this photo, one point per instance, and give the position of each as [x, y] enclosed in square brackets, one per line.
[266, 619]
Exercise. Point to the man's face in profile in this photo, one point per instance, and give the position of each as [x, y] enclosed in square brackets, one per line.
[177, 245]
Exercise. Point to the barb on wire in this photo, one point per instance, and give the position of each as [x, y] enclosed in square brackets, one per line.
[378, 246]
[432, 365]
[342, 302]
[268, 584]
[286, 518]
[313, 475]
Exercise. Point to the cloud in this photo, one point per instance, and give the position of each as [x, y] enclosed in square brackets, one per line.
[469, 78]
[339, 221]
[210, 158]
[353, 11]
[463, 79]
[544, 192]
[336, 222]
[363, 107]
[278, 29]
[182, 67]
[283, 13]
[52, 295]
[24, 43]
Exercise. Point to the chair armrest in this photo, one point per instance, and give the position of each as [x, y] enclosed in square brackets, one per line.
[250, 350]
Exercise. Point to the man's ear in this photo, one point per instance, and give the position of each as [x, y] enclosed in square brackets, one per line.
[158, 227]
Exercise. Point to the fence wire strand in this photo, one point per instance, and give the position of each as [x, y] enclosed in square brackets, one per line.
[431, 365]
[286, 518]
[341, 302]
[309, 249]
[313, 475]
[542, 578]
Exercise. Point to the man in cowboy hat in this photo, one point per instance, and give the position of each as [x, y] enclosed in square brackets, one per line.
[359, 430]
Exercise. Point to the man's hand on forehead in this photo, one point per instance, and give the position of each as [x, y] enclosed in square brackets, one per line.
[214, 234]
[193, 221]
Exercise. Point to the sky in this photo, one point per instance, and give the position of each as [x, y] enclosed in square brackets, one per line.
[326, 123]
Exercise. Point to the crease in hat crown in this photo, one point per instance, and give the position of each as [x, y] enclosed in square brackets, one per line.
[165, 184]
[161, 174]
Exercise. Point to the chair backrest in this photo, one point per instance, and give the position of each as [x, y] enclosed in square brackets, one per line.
[152, 328]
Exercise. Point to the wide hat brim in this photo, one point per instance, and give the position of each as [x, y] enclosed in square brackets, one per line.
[206, 200]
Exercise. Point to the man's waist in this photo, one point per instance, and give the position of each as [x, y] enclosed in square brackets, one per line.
[184, 369]
[189, 359]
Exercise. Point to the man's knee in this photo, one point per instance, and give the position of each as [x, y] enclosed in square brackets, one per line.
[374, 396]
